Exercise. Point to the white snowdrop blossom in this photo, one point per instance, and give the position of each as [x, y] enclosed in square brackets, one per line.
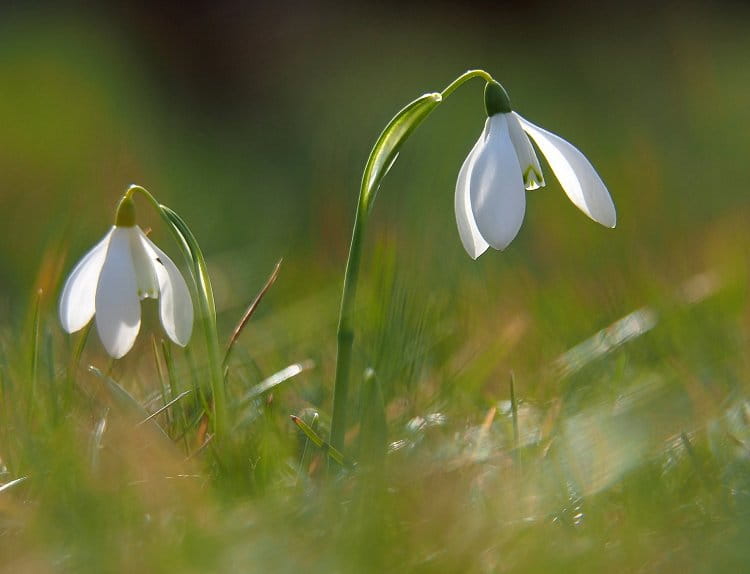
[490, 197]
[111, 280]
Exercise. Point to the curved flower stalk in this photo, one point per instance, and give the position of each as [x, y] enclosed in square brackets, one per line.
[490, 200]
[490, 196]
[111, 280]
[381, 159]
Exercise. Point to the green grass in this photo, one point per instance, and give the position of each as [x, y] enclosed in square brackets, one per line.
[631, 451]
[625, 446]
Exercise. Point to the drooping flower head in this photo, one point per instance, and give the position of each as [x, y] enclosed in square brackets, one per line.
[491, 189]
[111, 280]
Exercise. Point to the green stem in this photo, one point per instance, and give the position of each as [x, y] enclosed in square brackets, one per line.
[345, 336]
[463, 78]
[199, 272]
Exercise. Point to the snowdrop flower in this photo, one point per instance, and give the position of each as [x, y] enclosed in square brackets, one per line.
[490, 191]
[114, 276]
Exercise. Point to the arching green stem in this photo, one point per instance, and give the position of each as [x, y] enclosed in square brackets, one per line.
[197, 263]
[463, 78]
[345, 335]
[381, 158]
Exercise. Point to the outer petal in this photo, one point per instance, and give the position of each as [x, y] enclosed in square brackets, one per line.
[498, 198]
[78, 296]
[577, 176]
[530, 168]
[175, 304]
[118, 309]
[472, 240]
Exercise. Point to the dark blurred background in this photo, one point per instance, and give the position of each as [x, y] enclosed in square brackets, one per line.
[253, 121]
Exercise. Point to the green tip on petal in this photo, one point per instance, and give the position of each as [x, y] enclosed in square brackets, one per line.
[125, 212]
[496, 100]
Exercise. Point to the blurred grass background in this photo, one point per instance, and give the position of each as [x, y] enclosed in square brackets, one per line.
[254, 122]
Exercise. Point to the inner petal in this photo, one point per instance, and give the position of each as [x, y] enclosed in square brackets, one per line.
[527, 159]
[145, 276]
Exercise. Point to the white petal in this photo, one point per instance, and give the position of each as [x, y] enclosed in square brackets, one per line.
[118, 309]
[472, 240]
[175, 304]
[78, 295]
[145, 274]
[498, 198]
[577, 176]
[530, 168]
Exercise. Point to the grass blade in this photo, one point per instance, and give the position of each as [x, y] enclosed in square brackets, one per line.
[276, 379]
[332, 452]
[249, 313]
[12, 483]
[124, 401]
[165, 407]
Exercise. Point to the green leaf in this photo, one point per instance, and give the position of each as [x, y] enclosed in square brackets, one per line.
[193, 256]
[386, 149]
[205, 295]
